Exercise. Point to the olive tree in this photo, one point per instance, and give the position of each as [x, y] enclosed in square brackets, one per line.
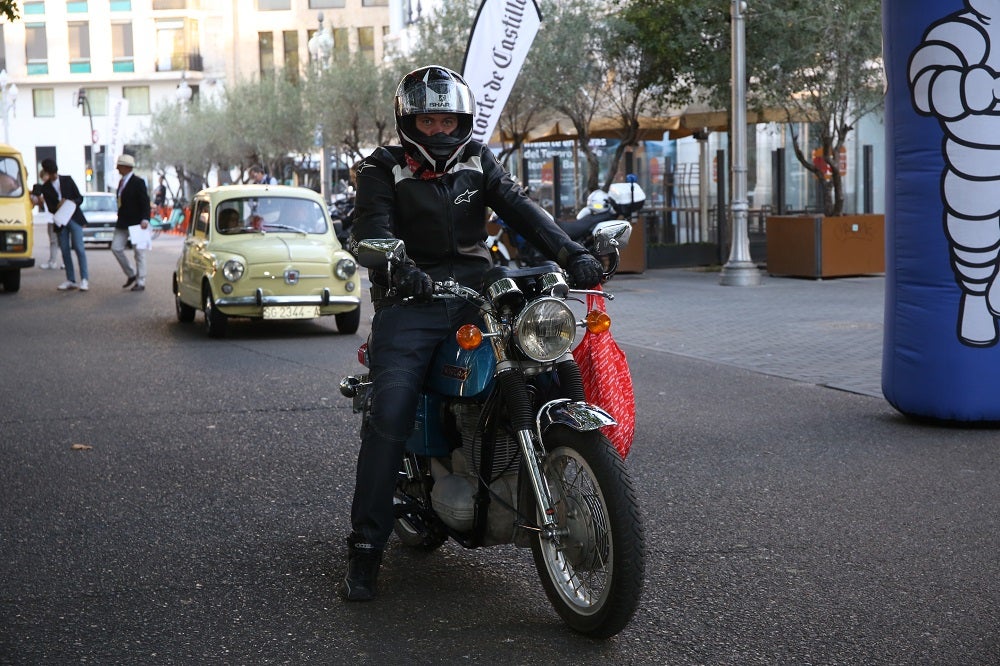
[442, 36]
[524, 111]
[573, 79]
[350, 104]
[266, 116]
[9, 9]
[828, 69]
[256, 121]
[816, 61]
[188, 139]
[632, 89]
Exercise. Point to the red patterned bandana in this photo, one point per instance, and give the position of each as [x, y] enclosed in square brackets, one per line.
[421, 171]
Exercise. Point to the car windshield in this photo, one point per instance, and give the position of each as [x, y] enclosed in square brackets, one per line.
[270, 214]
[103, 204]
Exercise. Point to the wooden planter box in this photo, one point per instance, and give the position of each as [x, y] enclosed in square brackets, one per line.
[633, 257]
[815, 246]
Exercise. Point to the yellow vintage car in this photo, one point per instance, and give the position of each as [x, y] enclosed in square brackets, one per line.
[264, 252]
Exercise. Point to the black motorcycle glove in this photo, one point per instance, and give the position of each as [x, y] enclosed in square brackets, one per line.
[585, 272]
[411, 281]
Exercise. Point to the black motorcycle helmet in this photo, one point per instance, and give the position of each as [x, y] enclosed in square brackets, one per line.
[434, 89]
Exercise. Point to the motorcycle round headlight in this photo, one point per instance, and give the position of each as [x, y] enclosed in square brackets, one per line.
[233, 270]
[545, 330]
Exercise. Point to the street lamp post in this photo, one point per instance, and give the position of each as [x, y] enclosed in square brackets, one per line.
[740, 270]
[8, 96]
[183, 94]
[81, 100]
[321, 49]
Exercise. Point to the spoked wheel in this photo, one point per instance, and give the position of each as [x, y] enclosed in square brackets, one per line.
[592, 568]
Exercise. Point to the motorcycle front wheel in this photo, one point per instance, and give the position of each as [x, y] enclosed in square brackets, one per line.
[592, 569]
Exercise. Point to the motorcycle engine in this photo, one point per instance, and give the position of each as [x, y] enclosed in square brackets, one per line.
[453, 495]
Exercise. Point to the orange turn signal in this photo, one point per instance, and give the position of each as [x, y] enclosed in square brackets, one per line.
[469, 336]
[597, 321]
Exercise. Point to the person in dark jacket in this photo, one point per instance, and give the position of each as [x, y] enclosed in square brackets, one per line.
[133, 209]
[432, 192]
[56, 190]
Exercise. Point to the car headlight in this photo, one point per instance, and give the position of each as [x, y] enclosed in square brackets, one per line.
[14, 241]
[545, 330]
[345, 268]
[233, 270]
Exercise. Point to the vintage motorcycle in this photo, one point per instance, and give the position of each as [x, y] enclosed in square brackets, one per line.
[506, 450]
[606, 216]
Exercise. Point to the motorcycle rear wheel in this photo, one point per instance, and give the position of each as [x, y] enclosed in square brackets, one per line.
[593, 570]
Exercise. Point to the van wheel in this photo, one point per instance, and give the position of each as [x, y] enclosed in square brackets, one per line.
[11, 280]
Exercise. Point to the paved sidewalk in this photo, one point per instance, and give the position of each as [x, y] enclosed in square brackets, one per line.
[826, 332]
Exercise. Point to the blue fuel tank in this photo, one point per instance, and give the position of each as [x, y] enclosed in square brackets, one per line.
[458, 373]
[454, 373]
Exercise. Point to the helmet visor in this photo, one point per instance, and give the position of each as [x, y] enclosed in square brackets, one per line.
[434, 97]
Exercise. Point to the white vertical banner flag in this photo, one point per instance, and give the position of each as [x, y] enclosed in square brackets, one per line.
[501, 36]
[116, 143]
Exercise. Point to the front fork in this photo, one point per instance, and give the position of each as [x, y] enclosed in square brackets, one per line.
[528, 428]
[541, 488]
[515, 395]
[572, 411]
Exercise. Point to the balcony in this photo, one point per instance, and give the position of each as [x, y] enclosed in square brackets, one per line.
[180, 62]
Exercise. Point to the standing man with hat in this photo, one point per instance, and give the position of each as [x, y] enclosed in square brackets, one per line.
[133, 208]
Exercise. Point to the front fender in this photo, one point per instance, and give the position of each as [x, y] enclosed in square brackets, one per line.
[579, 416]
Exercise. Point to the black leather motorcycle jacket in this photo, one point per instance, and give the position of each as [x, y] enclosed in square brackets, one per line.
[443, 220]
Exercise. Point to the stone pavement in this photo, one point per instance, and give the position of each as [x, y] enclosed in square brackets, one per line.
[825, 332]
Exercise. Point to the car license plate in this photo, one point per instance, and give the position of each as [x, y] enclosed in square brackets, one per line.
[291, 311]
[104, 235]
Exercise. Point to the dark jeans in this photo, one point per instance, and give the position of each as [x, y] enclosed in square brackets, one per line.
[402, 344]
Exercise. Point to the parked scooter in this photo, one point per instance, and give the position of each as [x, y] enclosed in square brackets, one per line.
[603, 226]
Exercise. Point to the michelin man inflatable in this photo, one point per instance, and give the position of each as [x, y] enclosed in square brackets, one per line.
[941, 359]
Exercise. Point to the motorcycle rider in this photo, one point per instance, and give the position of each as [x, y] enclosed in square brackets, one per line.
[431, 192]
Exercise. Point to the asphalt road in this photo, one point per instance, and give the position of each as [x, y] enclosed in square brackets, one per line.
[202, 520]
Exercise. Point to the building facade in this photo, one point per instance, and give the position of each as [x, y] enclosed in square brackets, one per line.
[84, 76]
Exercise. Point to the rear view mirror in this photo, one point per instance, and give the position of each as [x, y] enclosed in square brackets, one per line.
[379, 252]
[611, 236]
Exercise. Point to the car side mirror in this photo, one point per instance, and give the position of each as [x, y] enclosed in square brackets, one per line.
[378, 252]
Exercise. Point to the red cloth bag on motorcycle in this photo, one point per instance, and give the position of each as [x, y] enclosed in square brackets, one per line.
[607, 381]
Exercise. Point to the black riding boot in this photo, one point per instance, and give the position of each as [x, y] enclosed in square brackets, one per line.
[363, 561]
